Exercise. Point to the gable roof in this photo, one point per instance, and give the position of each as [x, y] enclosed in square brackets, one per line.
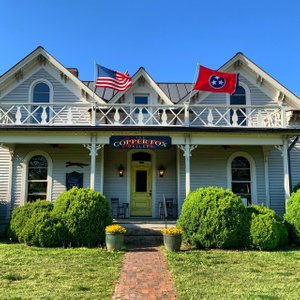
[41, 52]
[262, 76]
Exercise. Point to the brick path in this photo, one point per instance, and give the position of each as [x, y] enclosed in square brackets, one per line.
[144, 275]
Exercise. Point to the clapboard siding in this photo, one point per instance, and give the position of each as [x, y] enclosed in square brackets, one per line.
[22, 92]
[4, 182]
[209, 168]
[295, 164]
[59, 156]
[277, 195]
[257, 97]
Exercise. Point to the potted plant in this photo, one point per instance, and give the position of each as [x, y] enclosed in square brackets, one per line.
[172, 238]
[114, 237]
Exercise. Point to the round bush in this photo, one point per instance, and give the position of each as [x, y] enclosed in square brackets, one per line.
[267, 230]
[292, 217]
[215, 218]
[85, 214]
[18, 229]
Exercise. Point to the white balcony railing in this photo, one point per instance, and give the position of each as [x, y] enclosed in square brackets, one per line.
[68, 114]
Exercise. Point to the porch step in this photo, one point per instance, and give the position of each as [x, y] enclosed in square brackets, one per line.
[144, 231]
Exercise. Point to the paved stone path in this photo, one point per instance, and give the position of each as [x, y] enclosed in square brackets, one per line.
[144, 275]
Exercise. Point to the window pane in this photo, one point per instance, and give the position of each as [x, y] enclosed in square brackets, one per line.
[37, 187]
[41, 93]
[141, 181]
[41, 88]
[141, 100]
[141, 156]
[241, 188]
[38, 161]
[32, 198]
[241, 175]
[37, 174]
[240, 162]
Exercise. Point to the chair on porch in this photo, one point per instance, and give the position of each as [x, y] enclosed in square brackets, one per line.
[170, 207]
[118, 210]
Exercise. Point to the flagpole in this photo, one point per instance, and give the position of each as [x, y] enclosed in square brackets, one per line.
[95, 75]
[193, 84]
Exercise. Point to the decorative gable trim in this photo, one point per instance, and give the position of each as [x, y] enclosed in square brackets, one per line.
[140, 77]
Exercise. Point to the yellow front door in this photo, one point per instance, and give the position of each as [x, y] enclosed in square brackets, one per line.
[141, 190]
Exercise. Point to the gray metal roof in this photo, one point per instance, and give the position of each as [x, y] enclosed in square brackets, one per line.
[174, 91]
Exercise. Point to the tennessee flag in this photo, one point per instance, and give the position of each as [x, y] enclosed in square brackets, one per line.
[216, 82]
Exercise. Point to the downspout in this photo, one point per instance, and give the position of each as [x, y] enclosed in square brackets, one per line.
[289, 160]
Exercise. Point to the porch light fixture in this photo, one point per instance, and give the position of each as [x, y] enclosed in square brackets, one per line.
[161, 171]
[121, 171]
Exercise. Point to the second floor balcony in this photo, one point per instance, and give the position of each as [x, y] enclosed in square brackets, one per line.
[181, 115]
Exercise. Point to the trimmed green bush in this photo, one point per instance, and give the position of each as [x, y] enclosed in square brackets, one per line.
[292, 217]
[267, 230]
[213, 217]
[19, 228]
[85, 214]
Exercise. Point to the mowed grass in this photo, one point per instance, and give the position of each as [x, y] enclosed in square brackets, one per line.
[217, 274]
[45, 273]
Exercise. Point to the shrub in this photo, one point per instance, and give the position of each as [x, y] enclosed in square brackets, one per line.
[296, 187]
[214, 217]
[18, 229]
[85, 214]
[267, 230]
[292, 217]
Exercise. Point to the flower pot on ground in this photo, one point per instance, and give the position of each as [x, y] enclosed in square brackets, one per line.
[172, 238]
[114, 237]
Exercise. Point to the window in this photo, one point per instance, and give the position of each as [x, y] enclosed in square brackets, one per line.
[41, 94]
[141, 100]
[141, 156]
[37, 178]
[241, 178]
[239, 98]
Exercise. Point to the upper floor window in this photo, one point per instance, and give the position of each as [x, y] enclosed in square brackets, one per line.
[239, 99]
[41, 94]
[141, 100]
[37, 178]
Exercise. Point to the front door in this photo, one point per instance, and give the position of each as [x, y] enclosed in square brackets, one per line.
[141, 190]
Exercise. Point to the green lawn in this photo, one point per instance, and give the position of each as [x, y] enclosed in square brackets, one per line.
[44, 273]
[217, 274]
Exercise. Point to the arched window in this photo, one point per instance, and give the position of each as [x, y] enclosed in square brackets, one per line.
[37, 178]
[241, 181]
[239, 99]
[41, 94]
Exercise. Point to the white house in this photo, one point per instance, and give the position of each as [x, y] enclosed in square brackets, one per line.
[152, 141]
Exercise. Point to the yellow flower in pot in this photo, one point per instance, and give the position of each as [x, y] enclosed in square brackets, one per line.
[172, 238]
[114, 237]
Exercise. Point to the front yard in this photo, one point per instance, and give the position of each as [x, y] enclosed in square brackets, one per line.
[219, 274]
[44, 273]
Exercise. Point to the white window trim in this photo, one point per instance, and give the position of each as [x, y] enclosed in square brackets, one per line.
[37, 81]
[252, 173]
[25, 173]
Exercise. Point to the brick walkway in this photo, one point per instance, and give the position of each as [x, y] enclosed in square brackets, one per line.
[144, 275]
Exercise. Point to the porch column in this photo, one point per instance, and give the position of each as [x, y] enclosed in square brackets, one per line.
[93, 147]
[187, 153]
[286, 169]
[266, 151]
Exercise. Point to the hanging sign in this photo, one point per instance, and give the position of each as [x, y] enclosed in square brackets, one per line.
[140, 142]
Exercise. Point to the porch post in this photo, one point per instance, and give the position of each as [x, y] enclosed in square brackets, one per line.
[93, 147]
[187, 153]
[10, 182]
[102, 170]
[286, 169]
[266, 151]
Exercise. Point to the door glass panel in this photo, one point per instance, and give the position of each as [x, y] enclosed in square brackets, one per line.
[141, 181]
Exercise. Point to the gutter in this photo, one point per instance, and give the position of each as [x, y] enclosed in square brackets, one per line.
[289, 160]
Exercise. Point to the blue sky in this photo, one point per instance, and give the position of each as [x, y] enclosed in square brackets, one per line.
[167, 37]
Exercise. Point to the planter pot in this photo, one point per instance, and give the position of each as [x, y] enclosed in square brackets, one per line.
[172, 242]
[114, 241]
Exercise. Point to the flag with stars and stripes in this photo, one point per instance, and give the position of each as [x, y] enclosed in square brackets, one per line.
[107, 78]
[217, 82]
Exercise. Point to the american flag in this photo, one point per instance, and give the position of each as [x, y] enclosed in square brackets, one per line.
[107, 78]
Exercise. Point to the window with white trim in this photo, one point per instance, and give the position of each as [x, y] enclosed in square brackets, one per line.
[241, 178]
[141, 100]
[41, 94]
[238, 99]
[37, 178]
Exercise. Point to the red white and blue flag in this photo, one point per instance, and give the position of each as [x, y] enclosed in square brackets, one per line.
[107, 78]
[217, 82]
